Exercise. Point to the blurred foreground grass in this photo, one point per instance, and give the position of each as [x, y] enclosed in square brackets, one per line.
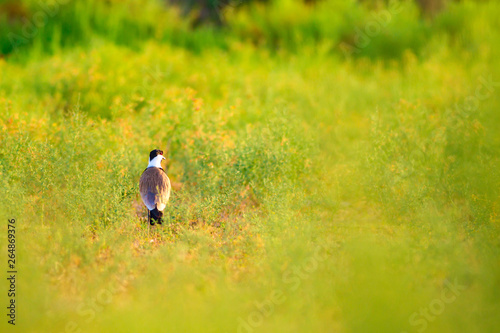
[313, 191]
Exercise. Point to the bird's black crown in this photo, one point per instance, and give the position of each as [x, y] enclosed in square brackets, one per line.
[155, 153]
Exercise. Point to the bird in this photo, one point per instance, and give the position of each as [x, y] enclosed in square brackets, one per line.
[154, 187]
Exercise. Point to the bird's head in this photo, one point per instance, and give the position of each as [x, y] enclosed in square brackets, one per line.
[156, 153]
[155, 158]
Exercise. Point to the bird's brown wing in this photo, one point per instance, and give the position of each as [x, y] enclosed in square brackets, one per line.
[154, 187]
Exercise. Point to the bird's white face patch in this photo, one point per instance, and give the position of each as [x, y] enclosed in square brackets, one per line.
[156, 162]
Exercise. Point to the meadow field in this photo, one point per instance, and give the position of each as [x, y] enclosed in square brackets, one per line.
[335, 166]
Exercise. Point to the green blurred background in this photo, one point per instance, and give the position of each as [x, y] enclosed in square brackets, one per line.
[334, 165]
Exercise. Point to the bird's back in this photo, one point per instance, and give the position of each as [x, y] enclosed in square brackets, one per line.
[154, 187]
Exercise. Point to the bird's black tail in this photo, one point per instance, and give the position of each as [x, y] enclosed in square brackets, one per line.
[155, 215]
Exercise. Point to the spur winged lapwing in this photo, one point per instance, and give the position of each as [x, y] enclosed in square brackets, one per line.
[154, 187]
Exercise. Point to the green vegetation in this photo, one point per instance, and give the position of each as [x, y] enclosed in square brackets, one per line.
[324, 181]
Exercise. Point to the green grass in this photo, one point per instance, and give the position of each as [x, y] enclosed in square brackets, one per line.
[313, 192]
